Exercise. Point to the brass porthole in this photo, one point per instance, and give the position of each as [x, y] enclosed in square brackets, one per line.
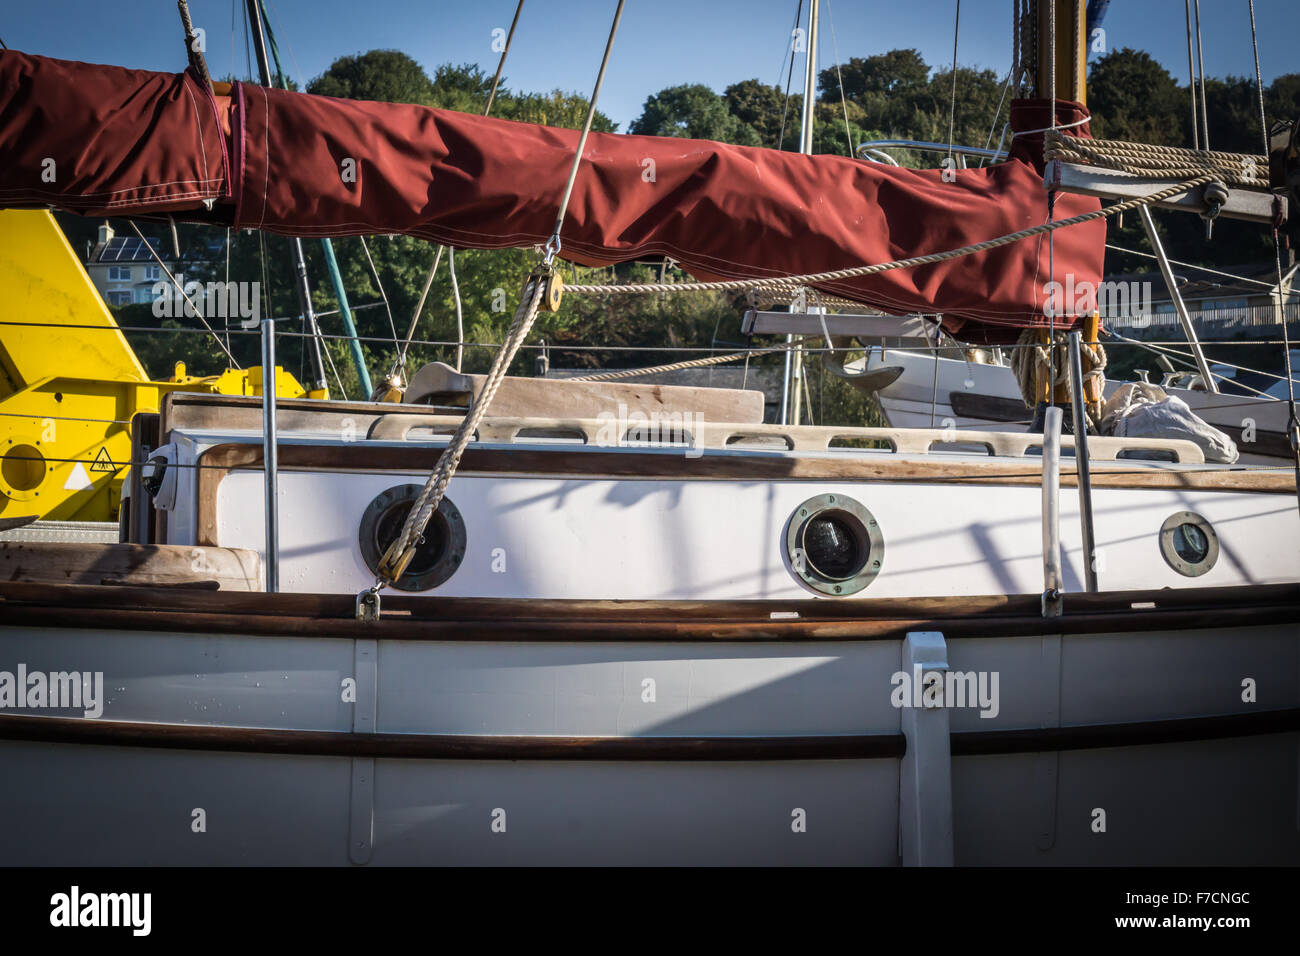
[833, 545]
[436, 558]
[1188, 543]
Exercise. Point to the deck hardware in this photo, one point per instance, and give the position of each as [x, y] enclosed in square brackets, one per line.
[834, 545]
[438, 552]
[1216, 196]
[1189, 543]
[368, 604]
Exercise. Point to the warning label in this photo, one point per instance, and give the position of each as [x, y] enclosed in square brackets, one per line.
[103, 463]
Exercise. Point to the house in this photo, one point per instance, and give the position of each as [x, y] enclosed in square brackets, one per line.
[1219, 306]
[124, 270]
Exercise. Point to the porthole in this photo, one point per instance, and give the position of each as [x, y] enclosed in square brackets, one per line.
[436, 558]
[1189, 543]
[834, 545]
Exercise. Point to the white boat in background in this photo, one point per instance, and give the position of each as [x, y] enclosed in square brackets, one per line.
[934, 391]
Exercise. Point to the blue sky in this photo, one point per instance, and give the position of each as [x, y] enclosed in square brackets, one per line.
[660, 43]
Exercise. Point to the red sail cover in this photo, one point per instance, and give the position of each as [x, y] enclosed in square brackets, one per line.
[101, 140]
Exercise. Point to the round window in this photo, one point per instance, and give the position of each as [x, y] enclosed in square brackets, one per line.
[436, 557]
[1188, 543]
[834, 545]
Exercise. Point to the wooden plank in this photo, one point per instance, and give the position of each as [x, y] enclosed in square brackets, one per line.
[440, 384]
[492, 619]
[139, 565]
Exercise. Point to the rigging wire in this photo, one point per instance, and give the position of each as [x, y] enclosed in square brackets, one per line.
[505, 51]
[1188, 265]
[1200, 65]
[380, 285]
[1191, 76]
[785, 107]
[190, 302]
[844, 105]
[952, 108]
[1293, 424]
[460, 315]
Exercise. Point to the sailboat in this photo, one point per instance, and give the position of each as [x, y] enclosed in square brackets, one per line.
[730, 642]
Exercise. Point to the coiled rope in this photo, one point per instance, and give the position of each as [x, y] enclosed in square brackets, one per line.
[1165, 162]
[1032, 357]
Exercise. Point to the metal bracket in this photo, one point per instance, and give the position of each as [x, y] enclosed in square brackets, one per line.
[1252, 205]
[368, 605]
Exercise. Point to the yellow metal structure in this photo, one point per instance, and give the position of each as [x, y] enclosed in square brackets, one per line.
[70, 382]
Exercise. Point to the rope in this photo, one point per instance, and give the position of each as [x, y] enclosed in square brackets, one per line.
[1143, 159]
[393, 564]
[735, 285]
[398, 554]
[689, 363]
[1032, 356]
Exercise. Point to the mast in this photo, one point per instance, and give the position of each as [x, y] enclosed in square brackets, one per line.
[793, 403]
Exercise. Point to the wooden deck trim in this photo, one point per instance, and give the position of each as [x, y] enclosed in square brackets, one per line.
[514, 619]
[217, 462]
[258, 740]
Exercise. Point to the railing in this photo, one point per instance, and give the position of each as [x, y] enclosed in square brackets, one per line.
[1240, 317]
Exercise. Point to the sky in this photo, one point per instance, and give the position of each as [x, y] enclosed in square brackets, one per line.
[660, 43]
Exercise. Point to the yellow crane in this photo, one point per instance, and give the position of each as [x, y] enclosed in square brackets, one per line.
[70, 382]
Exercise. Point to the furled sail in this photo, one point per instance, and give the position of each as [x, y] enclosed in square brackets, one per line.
[103, 140]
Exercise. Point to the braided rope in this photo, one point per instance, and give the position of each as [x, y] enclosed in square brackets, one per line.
[860, 271]
[1144, 159]
[1031, 356]
[399, 553]
[689, 363]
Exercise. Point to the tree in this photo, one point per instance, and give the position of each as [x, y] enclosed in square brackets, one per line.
[891, 88]
[693, 111]
[388, 76]
[762, 108]
[1132, 97]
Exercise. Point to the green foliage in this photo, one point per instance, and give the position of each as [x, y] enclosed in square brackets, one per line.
[1132, 97]
[694, 111]
[888, 95]
[386, 75]
[761, 108]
